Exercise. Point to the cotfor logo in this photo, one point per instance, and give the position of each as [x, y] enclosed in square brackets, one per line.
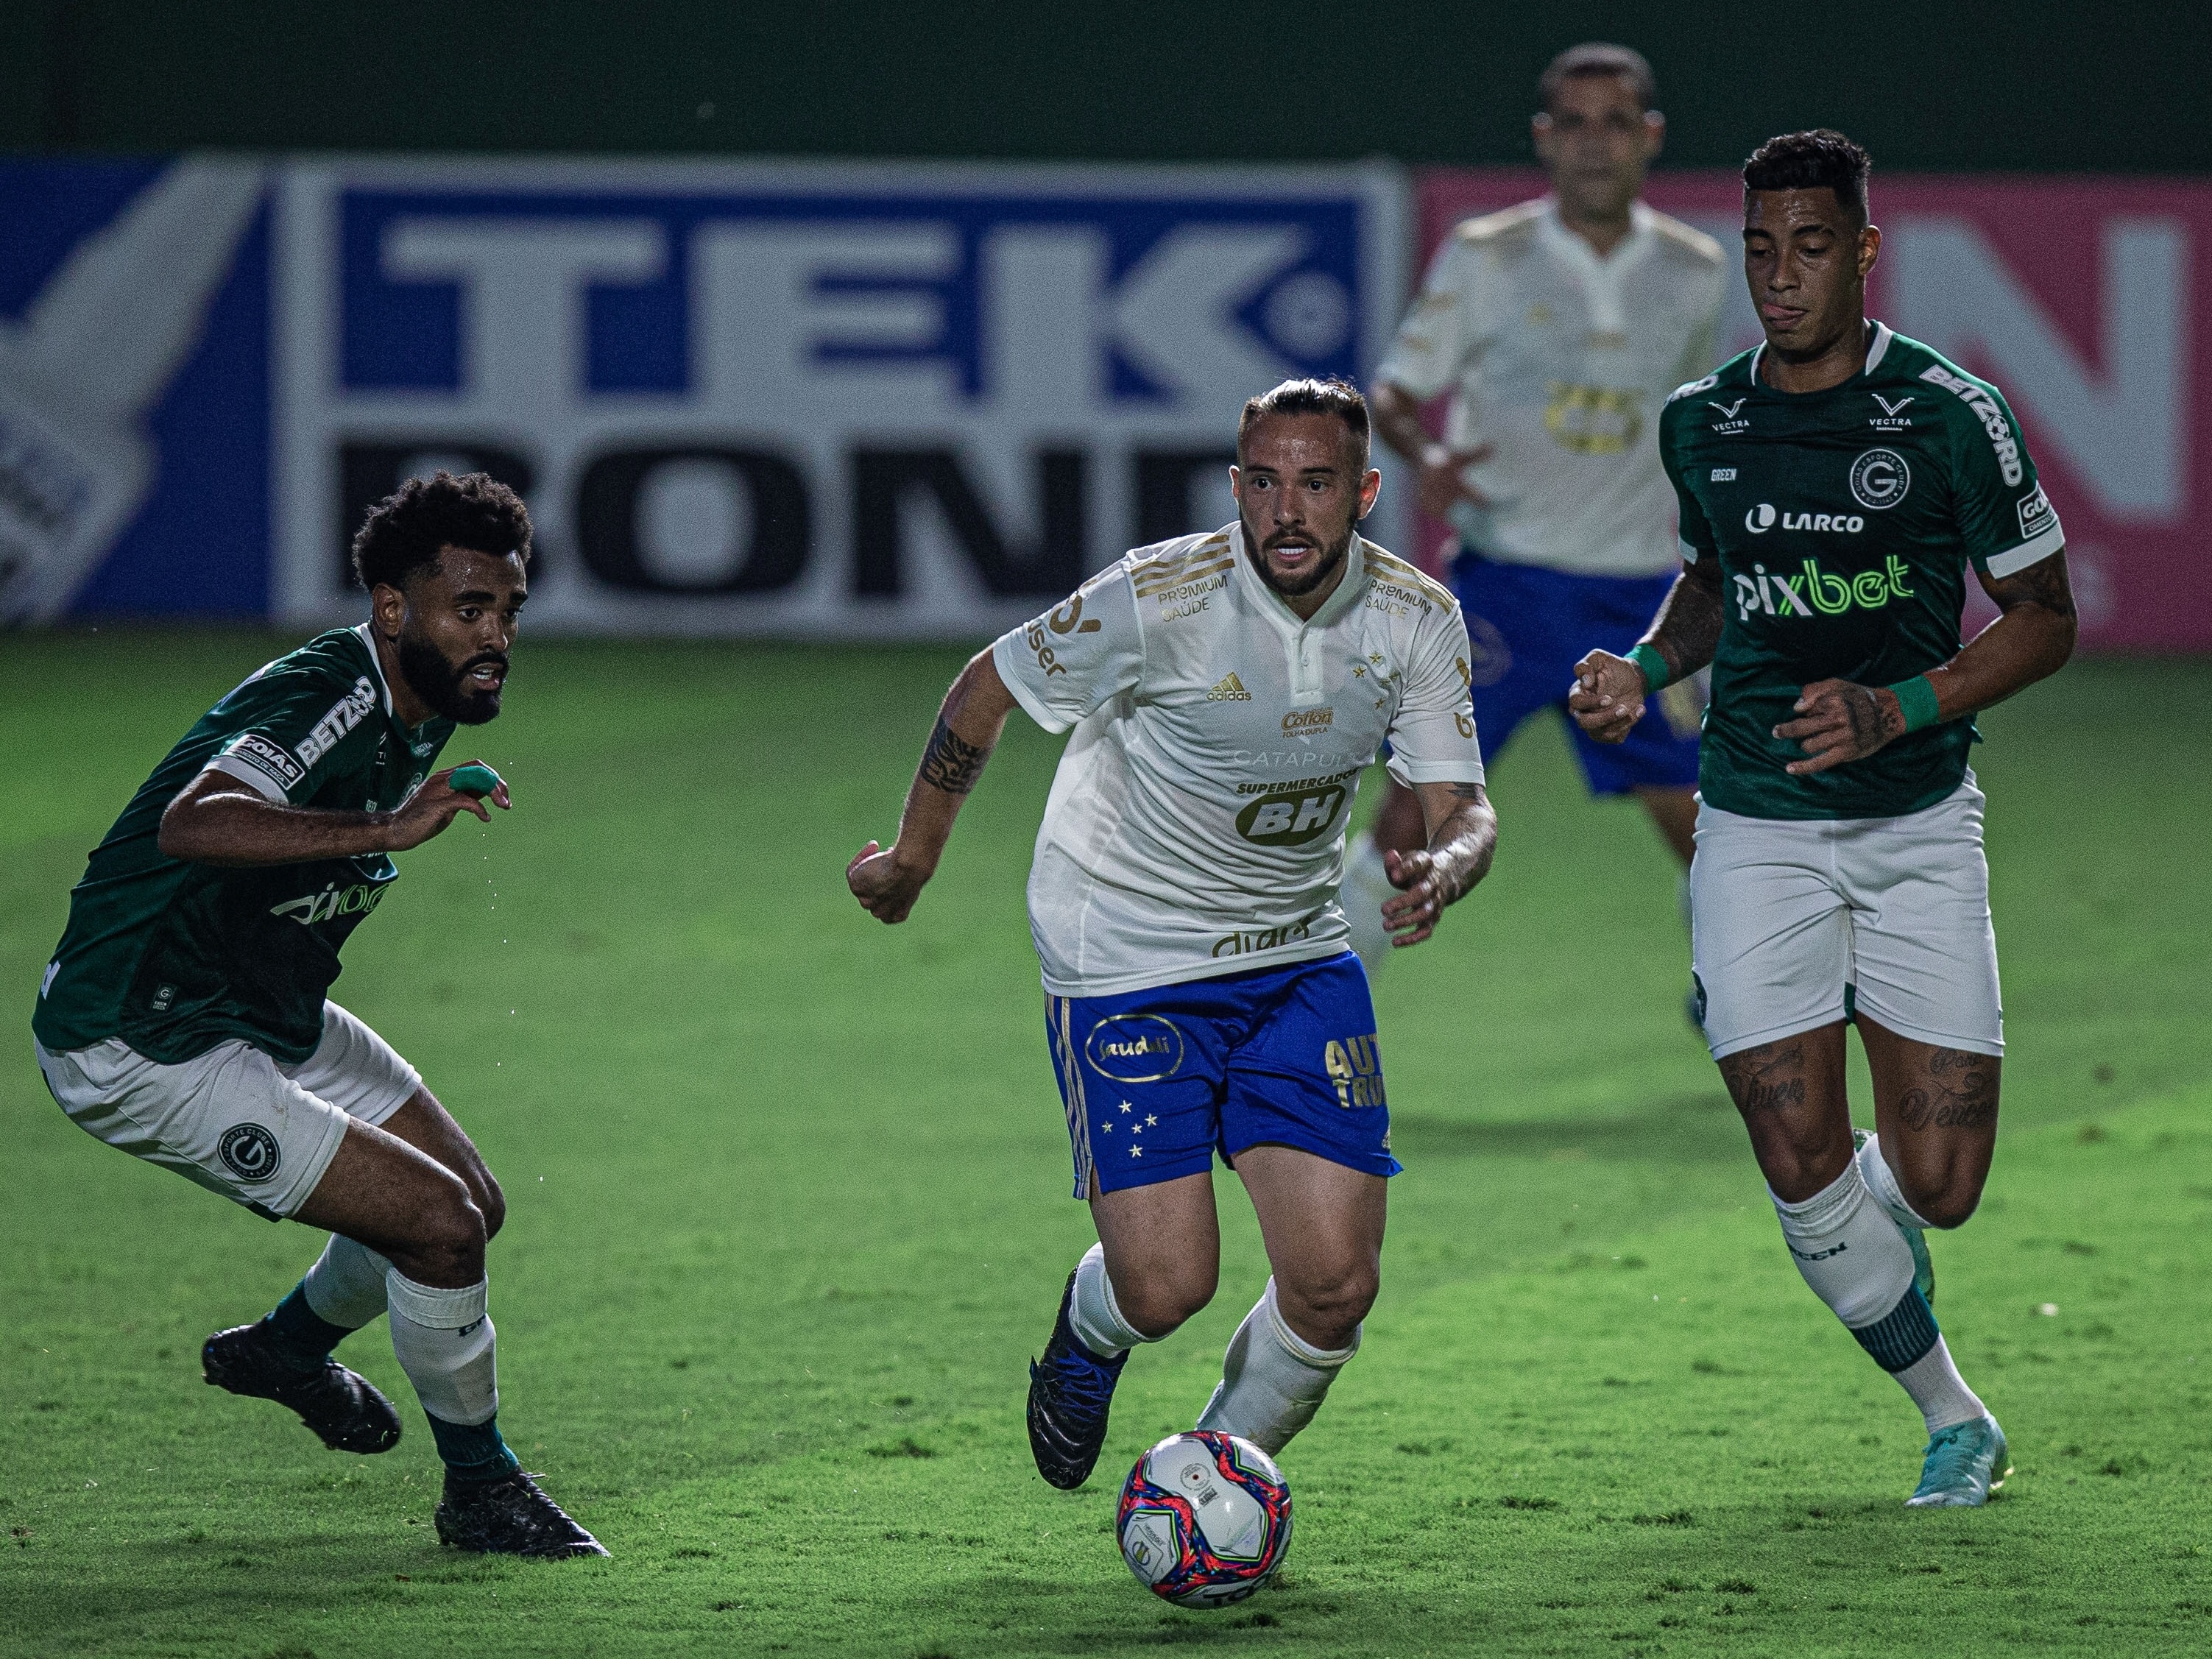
[1134, 1047]
[1301, 722]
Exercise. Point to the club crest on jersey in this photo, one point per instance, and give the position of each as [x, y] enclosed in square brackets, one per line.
[1134, 1047]
[1880, 479]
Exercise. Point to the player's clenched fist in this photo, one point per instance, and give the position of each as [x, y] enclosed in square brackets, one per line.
[1608, 696]
[886, 889]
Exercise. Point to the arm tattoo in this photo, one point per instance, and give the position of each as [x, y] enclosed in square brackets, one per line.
[1961, 1092]
[1766, 1078]
[1687, 630]
[1870, 719]
[1467, 792]
[2043, 583]
[950, 762]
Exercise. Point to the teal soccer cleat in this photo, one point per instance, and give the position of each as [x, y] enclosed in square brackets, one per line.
[1965, 1463]
[1916, 1240]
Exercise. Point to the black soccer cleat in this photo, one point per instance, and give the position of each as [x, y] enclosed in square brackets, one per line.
[1071, 1393]
[509, 1517]
[340, 1406]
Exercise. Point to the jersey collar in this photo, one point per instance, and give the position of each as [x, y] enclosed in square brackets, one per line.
[1877, 349]
[1601, 279]
[376, 665]
[1349, 588]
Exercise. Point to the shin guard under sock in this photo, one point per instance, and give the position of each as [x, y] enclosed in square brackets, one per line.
[1092, 1313]
[1272, 1381]
[444, 1341]
[1849, 1252]
[342, 1292]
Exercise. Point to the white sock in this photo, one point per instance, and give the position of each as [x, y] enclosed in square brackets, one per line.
[346, 1284]
[1366, 885]
[1849, 1252]
[1937, 1388]
[1094, 1314]
[443, 1339]
[1682, 897]
[1882, 1182]
[1272, 1381]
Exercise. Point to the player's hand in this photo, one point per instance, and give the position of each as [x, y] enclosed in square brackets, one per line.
[434, 805]
[1411, 915]
[1608, 699]
[1840, 721]
[885, 888]
[1443, 484]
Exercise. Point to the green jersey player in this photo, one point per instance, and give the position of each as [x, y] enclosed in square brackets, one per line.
[1835, 484]
[184, 1017]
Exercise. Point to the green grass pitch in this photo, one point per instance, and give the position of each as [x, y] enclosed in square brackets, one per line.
[789, 1212]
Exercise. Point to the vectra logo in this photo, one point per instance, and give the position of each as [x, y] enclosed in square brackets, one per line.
[1134, 1048]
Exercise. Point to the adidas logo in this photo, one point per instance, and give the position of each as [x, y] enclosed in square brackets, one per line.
[1229, 690]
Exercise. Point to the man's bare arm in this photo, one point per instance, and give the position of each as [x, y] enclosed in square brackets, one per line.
[217, 819]
[887, 880]
[1839, 720]
[1608, 694]
[1463, 840]
[1397, 414]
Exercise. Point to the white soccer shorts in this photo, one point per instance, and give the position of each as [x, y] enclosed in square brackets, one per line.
[1785, 913]
[232, 1119]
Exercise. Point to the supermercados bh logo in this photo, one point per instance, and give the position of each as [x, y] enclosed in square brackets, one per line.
[837, 399]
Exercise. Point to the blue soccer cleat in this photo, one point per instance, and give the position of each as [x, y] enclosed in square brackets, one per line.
[1916, 1239]
[1071, 1393]
[1965, 1463]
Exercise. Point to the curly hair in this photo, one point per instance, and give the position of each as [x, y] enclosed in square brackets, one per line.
[1822, 159]
[407, 530]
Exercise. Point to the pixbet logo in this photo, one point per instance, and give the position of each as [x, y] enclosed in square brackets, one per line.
[1814, 591]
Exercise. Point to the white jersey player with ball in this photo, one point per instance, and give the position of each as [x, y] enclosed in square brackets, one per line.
[1225, 691]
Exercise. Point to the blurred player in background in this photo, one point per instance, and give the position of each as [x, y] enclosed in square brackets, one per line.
[1226, 691]
[1835, 484]
[183, 1018]
[1559, 327]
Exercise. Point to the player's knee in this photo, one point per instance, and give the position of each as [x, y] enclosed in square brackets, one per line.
[1159, 1302]
[490, 1202]
[449, 1232]
[1333, 1301]
[1946, 1205]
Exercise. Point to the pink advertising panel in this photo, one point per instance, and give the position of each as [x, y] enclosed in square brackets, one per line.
[2086, 300]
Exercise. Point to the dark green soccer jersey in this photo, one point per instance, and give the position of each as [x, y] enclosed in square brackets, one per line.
[1843, 521]
[176, 958]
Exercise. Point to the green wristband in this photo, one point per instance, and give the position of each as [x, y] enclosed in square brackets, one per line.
[1652, 665]
[1916, 698]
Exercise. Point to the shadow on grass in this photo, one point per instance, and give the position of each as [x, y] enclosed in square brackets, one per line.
[1698, 1129]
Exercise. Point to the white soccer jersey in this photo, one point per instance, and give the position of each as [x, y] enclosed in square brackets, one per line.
[1196, 824]
[1559, 360]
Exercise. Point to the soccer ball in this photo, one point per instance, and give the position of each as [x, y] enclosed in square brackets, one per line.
[1204, 1519]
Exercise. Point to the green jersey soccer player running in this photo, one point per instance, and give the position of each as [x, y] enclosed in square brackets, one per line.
[1834, 485]
[184, 1018]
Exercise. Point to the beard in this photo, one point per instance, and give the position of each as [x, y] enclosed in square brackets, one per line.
[439, 680]
[1332, 555]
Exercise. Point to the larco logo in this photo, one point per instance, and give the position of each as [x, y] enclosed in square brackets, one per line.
[1880, 478]
[1763, 517]
[1291, 820]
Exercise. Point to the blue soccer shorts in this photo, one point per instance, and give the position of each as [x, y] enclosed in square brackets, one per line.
[1156, 1081]
[1529, 627]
